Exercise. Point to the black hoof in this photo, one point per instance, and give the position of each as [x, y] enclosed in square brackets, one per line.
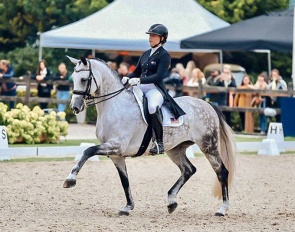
[69, 183]
[172, 207]
[123, 213]
[219, 214]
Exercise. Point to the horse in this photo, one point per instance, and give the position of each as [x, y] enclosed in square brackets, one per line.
[120, 128]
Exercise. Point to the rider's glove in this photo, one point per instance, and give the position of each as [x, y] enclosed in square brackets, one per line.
[125, 80]
[134, 81]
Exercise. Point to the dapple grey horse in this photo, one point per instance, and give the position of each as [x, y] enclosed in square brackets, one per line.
[120, 129]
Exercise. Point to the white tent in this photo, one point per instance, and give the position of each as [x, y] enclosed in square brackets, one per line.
[122, 25]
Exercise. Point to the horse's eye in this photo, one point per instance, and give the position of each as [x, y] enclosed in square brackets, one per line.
[83, 79]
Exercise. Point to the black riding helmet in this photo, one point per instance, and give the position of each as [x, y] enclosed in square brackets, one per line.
[159, 29]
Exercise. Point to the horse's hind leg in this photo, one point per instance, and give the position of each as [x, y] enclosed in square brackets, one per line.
[122, 170]
[178, 156]
[210, 149]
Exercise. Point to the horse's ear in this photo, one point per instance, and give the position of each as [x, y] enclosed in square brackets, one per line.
[83, 59]
[73, 60]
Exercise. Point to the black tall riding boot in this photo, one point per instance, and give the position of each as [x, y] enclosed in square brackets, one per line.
[157, 126]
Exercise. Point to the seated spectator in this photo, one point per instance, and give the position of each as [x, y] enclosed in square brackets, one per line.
[260, 102]
[189, 68]
[211, 80]
[175, 80]
[44, 89]
[277, 83]
[63, 90]
[112, 65]
[245, 100]
[197, 78]
[123, 69]
[183, 73]
[7, 88]
[226, 80]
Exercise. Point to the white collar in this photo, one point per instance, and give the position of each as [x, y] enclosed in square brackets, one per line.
[154, 49]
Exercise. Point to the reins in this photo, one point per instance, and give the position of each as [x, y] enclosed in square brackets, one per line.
[89, 99]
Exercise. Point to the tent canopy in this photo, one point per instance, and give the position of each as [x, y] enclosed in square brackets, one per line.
[122, 25]
[273, 31]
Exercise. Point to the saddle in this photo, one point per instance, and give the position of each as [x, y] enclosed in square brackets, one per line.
[167, 119]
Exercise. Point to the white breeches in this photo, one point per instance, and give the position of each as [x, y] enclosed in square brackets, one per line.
[154, 97]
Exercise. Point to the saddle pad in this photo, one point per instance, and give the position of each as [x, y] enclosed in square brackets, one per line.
[168, 117]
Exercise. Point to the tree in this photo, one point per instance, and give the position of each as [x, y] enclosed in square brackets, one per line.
[24, 18]
[236, 10]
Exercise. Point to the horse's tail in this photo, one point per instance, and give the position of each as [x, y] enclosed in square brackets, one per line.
[227, 150]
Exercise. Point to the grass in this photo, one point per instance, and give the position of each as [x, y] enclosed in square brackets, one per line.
[61, 143]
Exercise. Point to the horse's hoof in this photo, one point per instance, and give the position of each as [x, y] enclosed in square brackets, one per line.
[123, 213]
[172, 207]
[218, 214]
[69, 183]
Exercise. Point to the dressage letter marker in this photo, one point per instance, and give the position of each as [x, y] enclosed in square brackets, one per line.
[3, 144]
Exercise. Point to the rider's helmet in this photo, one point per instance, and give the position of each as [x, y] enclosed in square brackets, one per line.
[159, 29]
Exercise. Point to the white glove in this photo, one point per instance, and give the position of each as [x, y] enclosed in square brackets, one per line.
[134, 81]
[125, 80]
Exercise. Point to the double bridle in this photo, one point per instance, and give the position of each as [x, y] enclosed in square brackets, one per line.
[88, 99]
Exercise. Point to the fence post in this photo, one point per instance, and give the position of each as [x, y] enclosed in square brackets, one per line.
[28, 88]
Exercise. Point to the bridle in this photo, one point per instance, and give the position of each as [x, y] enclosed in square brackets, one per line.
[88, 99]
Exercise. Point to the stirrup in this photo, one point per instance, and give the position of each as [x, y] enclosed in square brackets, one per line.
[157, 149]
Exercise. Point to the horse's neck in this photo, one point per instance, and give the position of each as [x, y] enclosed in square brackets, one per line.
[110, 83]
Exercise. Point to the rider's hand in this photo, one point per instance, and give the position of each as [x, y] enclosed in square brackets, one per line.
[134, 81]
[125, 80]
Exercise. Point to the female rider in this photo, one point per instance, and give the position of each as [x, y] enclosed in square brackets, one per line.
[149, 73]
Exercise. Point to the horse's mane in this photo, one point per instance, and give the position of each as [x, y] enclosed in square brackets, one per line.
[114, 72]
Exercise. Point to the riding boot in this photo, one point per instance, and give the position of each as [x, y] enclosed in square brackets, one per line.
[157, 126]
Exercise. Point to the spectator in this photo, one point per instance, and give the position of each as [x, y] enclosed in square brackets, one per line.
[260, 102]
[277, 83]
[7, 88]
[123, 69]
[244, 100]
[112, 65]
[226, 99]
[63, 90]
[44, 90]
[197, 78]
[183, 73]
[211, 81]
[189, 68]
[175, 80]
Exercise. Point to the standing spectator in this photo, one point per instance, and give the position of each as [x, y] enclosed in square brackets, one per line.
[244, 100]
[7, 88]
[277, 83]
[211, 81]
[226, 99]
[123, 69]
[44, 89]
[260, 102]
[63, 90]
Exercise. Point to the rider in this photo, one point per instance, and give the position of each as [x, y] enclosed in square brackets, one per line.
[148, 75]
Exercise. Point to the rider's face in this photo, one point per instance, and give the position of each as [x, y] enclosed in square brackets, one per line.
[154, 39]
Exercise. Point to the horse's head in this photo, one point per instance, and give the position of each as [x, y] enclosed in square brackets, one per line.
[84, 82]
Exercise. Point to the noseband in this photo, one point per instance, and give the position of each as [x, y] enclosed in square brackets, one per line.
[89, 99]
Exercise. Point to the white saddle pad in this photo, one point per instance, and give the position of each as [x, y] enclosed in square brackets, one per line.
[168, 117]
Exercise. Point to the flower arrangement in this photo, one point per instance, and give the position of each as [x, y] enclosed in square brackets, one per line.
[32, 126]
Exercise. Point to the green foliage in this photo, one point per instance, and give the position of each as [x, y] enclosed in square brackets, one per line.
[236, 10]
[22, 19]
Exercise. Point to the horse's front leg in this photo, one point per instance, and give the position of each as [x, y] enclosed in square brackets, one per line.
[103, 149]
[122, 170]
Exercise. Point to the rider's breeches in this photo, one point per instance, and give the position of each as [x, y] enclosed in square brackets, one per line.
[155, 99]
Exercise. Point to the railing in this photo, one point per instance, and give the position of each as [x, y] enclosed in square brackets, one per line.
[199, 92]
